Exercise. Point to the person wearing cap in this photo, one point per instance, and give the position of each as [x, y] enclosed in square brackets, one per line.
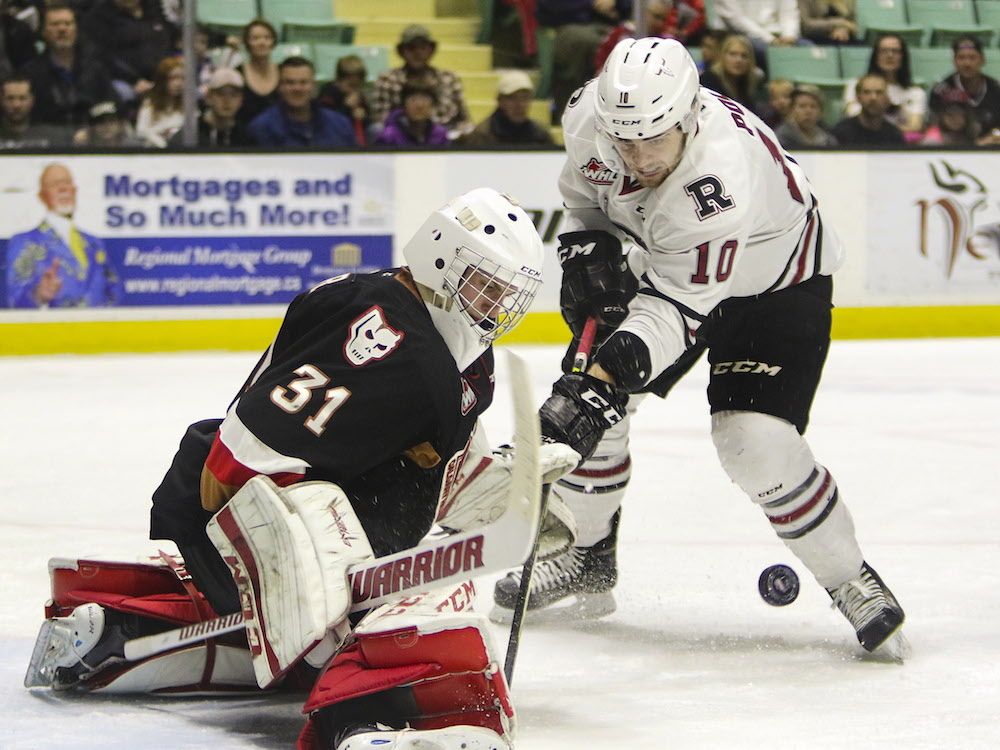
[106, 128]
[217, 125]
[968, 85]
[411, 124]
[801, 128]
[416, 47]
[510, 123]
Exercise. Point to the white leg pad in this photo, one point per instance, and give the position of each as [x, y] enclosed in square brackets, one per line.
[768, 459]
[288, 550]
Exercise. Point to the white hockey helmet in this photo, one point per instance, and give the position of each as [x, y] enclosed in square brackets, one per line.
[647, 87]
[477, 263]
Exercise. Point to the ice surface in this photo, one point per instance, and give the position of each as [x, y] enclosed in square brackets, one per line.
[692, 658]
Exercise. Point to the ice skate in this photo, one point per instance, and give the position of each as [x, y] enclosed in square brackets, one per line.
[587, 574]
[870, 607]
[371, 736]
[70, 649]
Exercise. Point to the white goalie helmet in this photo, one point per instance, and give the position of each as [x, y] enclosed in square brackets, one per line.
[477, 263]
[647, 87]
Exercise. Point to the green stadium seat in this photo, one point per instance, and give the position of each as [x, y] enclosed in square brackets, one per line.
[854, 61]
[818, 65]
[886, 16]
[226, 16]
[930, 64]
[280, 11]
[992, 66]
[287, 49]
[988, 14]
[318, 32]
[375, 57]
[946, 19]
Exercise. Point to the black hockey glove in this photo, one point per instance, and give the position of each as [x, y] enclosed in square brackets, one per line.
[579, 410]
[595, 281]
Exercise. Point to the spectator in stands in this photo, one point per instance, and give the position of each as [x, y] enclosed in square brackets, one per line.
[870, 127]
[297, 120]
[417, 47]
[510, 123]
[346, 94]
[736, 74]
[654, 24]
[802, 129]
[16, 127]
[952, 124]
[581, 26]
[765, 23]
[779, 102]
[162, 111]
[17, 40]
[260, 72]
[907, 101]
[683, 20]
[969, 86]
[68, 78]
[108, 129]
[411, 124]
[711, 43]
[218, 125]
[829, 21]
[134, 37]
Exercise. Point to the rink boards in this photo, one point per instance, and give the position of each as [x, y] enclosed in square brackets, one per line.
[209, 248]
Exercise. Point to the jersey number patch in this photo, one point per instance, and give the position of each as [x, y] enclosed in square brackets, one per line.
[722, 269]
[294, 397]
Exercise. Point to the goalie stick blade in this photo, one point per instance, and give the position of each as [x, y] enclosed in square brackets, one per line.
[438, 561]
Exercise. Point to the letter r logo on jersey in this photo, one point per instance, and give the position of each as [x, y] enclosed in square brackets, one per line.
[709, 196]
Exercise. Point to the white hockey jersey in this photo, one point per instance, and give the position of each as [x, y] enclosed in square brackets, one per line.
[736, 218]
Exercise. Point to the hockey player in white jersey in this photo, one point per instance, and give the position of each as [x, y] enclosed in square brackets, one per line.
[731, 256]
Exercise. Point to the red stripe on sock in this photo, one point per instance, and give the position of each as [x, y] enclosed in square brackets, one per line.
[803, 509]
[595, 473]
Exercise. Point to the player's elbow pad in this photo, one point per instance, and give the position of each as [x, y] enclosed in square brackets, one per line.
[625, 357]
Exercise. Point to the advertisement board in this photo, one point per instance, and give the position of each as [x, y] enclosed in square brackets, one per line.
[165, 230]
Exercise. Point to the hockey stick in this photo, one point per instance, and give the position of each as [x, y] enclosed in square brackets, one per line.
[435, 562]
[521, 605]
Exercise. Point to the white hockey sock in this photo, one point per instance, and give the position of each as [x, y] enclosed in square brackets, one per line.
[594, 492]
[816, 526]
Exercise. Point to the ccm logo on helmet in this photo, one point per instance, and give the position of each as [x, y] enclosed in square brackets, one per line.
[626, 123]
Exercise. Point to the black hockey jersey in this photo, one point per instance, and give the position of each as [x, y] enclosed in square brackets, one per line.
[359, 389]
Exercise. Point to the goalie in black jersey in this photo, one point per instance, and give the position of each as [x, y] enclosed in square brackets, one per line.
[333, 452]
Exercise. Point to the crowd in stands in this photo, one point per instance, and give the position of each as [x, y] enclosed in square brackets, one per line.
[109, 74]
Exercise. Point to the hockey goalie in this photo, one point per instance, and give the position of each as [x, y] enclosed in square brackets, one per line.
[301, 517]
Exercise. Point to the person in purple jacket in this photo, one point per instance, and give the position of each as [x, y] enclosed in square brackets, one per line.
[296, 119]
[411, 124]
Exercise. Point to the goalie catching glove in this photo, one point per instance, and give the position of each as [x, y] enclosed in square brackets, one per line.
[474, 491]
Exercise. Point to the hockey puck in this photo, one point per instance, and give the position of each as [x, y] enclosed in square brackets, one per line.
[778, 585]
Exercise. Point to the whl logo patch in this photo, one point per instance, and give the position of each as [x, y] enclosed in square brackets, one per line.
[596, 173]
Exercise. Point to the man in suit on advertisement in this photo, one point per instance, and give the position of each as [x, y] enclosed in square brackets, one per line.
[56, 264]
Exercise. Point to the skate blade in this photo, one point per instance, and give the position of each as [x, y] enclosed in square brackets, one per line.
[42, 667]
[896, 648]
[578, 608]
